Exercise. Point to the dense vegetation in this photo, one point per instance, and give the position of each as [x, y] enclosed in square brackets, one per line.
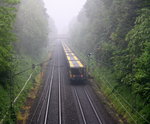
[31, 27]
[7, 17]
[24, 37]
[117, 34]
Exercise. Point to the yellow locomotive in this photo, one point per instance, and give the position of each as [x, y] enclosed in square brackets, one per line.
[77, 71]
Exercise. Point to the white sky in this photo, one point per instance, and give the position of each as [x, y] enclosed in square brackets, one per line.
[63, 11]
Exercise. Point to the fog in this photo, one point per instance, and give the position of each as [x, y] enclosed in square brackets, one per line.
[63, 11]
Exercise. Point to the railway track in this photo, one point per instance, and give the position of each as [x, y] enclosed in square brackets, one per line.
[49, 96]
[58, 85]
[41, 111]
[93, 106]
[38, 110]
[59, 91]
[61, 102]
[81, 108]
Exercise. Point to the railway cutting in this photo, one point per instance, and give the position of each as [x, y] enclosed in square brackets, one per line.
[67, 96]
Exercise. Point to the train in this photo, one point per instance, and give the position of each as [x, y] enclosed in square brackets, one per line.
[76, 69]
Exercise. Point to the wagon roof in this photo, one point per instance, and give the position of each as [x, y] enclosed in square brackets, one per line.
[73, 60]
[75, 64]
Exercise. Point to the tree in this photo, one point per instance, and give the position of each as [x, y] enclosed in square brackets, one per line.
[7, 17]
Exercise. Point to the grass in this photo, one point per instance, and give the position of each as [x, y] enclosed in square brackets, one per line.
[130, 107]
[17, 84]
[125, 102]
[23, 114]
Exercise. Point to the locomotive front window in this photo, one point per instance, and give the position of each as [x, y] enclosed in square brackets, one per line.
[76, 71]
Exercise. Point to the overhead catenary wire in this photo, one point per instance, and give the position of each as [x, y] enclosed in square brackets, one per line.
[18, 73]
[29, 68]
[14, 101]
[125, 101]
[140, 115]
[27, 79]
[122, 105]
[23, 87]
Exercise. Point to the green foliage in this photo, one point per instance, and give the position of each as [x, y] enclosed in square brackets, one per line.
[139, 50]
[117, 33]
[7, 17]
[140, 33]
[106, 50]
[12, 1]
[31, 31]
[31, 28]
[4, 97]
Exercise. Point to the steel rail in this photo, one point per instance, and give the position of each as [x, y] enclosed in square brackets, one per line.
[40, 111]
[42, 98]
[43, 104]
[45, 97]
[79, 103]
[60, 109]
[49, 95]
[92, 105]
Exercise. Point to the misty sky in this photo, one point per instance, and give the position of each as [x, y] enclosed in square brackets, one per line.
[63, 11]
